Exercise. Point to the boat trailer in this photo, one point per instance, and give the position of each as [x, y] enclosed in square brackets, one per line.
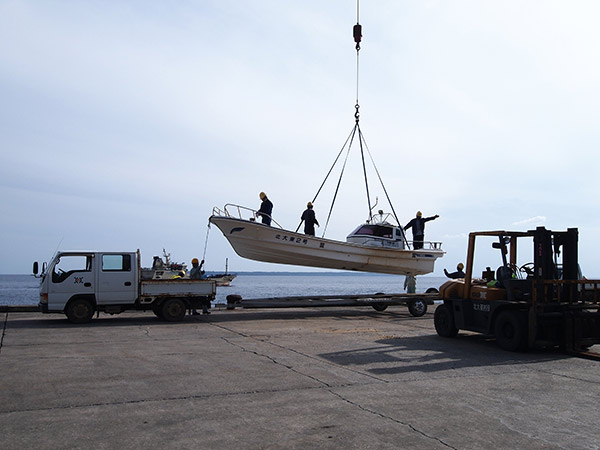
[416, 303]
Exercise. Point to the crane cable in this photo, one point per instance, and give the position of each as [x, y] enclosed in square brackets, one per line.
[357, 34]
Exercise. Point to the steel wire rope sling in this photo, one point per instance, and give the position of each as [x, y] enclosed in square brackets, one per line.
[357, 34]
[206, 241]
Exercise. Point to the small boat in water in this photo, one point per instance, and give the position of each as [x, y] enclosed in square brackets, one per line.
[377, 246]
[223, 279]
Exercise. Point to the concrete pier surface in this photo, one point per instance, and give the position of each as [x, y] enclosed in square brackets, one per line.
[290, 379]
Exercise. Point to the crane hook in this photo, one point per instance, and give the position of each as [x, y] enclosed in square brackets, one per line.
[357, 32]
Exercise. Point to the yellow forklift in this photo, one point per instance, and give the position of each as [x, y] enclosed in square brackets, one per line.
[541, 303]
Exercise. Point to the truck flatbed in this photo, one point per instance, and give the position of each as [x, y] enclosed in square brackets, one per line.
[178, 287]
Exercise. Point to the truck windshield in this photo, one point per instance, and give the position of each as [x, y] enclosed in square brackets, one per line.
[68, 264]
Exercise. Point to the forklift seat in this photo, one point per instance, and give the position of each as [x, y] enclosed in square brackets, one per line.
[503, 273]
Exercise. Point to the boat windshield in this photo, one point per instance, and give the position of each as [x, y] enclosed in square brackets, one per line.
[374, 230]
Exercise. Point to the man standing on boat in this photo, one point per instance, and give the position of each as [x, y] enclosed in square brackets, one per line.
[266, 208]
[310, 220]
[418, 228]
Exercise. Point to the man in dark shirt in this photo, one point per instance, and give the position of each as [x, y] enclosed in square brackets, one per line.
[459, 272]
[310, 220]
[418, 228]
[266, 208]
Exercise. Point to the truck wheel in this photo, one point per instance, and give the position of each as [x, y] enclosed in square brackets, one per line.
[417, 307]
[173, 310]
[80, 311]
[510, 331]
[443, 319]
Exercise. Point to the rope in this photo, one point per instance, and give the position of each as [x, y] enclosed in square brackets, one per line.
[382, 185]
[328, 173]
[206, 241]
[340, 179]
[357, 73]
[357, 33]
[362, 155]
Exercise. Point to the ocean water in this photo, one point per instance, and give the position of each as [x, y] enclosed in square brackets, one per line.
[23, 289]
[19, 290]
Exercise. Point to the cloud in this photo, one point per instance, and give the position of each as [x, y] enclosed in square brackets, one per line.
[140, 117]
[536, 219]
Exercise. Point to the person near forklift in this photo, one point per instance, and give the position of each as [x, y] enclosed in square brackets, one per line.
[418, 228]
[266, 208]
[196, 273]
[310, 220]
[410, 284]
[459, 272]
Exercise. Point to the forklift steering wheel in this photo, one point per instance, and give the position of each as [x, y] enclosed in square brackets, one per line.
[527, 268]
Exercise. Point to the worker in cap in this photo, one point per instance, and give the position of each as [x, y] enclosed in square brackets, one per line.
[310, 220]
[265, 210]
[196, 273]
[418, 228]
[459, 272]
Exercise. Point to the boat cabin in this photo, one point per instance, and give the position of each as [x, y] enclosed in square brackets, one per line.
[378, 235]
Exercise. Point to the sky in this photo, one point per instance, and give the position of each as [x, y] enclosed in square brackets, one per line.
[123, 123]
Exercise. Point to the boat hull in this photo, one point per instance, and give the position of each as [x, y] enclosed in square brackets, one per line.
[261, 242]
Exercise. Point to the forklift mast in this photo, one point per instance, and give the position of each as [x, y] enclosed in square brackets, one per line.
[548, 246]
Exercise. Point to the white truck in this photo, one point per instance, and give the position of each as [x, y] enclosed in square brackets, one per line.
[80, 283]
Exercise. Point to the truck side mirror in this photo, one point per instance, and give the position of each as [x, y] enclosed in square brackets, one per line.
[35, 268]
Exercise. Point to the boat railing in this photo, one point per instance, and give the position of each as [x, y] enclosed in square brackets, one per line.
[240, 212]
[427, 245]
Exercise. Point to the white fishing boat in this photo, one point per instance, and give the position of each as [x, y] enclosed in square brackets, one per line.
[377, 246]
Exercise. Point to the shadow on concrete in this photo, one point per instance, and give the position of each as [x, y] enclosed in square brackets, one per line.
[216, 317]
[395, 355]
[430, 354]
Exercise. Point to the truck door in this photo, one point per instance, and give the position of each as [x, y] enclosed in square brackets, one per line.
[117, 280]
[70, 274]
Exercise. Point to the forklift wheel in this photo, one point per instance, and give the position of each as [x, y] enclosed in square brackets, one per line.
[443, 319]
[510, 331]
